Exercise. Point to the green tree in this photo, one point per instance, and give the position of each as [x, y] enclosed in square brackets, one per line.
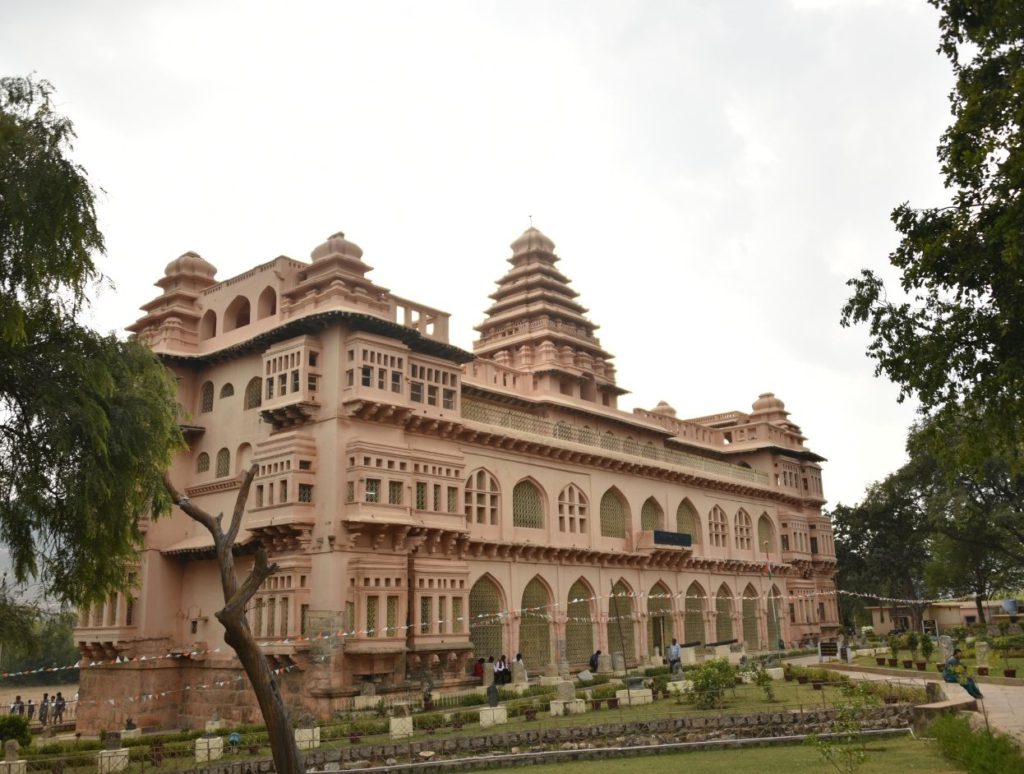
[956, 341]
[88, 423]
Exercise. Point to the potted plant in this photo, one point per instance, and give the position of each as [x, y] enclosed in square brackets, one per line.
[910, 645]
[927, 648]
[895, 646]
[880, 660]
[1002, 644]
[787, 673]
[530, 711]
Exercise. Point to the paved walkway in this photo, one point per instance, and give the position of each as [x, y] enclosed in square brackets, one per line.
[1003, 705]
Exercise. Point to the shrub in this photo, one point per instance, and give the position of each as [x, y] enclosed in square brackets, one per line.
[979, 752]
[15, 727]
[927, 647]
[710, 681]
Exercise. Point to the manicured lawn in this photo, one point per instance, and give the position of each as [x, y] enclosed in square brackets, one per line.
[902, 754]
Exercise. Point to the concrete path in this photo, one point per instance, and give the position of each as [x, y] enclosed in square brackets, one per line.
[1003, 705]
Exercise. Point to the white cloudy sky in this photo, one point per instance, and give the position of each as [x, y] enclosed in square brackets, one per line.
[712, 172]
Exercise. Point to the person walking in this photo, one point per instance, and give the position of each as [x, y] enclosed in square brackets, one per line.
[58, 708]
[31, 710]
[674, 652]
[44, 709]
[595, 661]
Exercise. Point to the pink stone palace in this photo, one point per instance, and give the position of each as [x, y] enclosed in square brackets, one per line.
[428, 505]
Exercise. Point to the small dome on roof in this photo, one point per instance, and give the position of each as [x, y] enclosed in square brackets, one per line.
[336, 244]
[664, 408]
[767, 402]
[530, 240]
[190, 263]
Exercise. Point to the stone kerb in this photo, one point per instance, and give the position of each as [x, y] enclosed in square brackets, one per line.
[634, 696]
[493, 716]
[571, 707]
[209, 748]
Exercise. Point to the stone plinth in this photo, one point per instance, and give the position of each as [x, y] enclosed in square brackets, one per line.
[604, 664]
[572, 707]
[111, 761]
[565, 691]
[307, 738]
[209, 748]
[488, 675]
[400, 728]
[493, 716]
[131, 733]
[519, 673]
[13, 767]
[618, 662]
[635, 696]
[677, 687]
[776, 673]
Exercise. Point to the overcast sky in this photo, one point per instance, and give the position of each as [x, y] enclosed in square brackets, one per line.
[711, 172]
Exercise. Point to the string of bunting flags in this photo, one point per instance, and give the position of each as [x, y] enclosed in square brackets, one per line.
[483, 618]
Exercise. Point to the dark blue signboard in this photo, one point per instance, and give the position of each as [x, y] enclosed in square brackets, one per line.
[672, 539]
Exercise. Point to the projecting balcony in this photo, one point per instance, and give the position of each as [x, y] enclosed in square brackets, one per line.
[403, 516]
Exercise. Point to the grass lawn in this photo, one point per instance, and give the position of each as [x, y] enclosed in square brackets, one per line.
[901, 753]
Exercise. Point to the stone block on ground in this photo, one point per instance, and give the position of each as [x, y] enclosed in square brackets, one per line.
[518, 673]
[635, 696]
[209, 748]
[678, 687]
[565, 691]
[688, 656]
[618, 662]
[400, 728]
[112, 761]
[307, 738]
[571, 707]
[604, 664]
[493, 716]
[13, 767]
[776, 673]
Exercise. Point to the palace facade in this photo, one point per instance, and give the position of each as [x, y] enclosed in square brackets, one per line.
[428, 505]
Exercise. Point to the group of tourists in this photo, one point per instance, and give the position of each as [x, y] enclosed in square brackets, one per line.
[501, 668]
[51, 710]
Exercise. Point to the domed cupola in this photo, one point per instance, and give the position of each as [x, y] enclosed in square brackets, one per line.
[340, 251]
[767, 406]
[532, 241]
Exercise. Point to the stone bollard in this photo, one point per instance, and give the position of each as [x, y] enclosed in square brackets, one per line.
[11, 763]
[604, 664]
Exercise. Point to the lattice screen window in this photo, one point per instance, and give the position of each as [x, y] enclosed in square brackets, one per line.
[686, 521]
[395, 492]
[613, 516]
[284, 617]
[765, 534]
[271, 617]
[253, 393]
[442, 617]
[206, 398]
[371, 616]
[718, 528]
[527, 506]
[651, 515]
[535, 626]
[660, 627]
[391, 625]
[750, 636]
[563, 432]
[621, 627]
[421, 496]
[572, 511]
[723, 607]
[350, 491]
[579, 629]
[227, 390]
[202, 462]
[744, 531]
[485, 627]
[426, 614]
[437, 498]
[453, 499]
[481, 499]
[693, 623]
[223, 462]
[305, 493]
[457, 622]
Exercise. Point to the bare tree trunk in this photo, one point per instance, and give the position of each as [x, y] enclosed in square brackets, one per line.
[979, 603]
[236, 628]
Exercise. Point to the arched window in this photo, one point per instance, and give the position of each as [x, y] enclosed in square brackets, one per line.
[660, 629]
[237, 314]
[481, 498]
[613, 515]
[202, 462]
[750, 636]
[579, 629]
[744, 531]
[572, 511]
[253, 393]
[651, 515]
[223, 463]
[693, 623]
[621, 630]
[208, 325]
[266, 305]
[206, 398]
[527, 506]
[723, 619]
[535, 625]
[485, 627]
[718, 528]
[687, 521]
[765, 534]
[227, 390]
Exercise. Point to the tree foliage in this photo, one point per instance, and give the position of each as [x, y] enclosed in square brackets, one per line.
[87, 422]
[957, 341]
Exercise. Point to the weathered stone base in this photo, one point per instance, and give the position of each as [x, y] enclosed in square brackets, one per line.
[307, 738]
[13, 767]
[112, 761]
[209, 748]
[400, 728]
[635, 696]
[573, 707]
[677, 687]
[551, 680]
[493, 716]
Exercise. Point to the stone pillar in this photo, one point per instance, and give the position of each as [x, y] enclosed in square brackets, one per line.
[604, 664]
[488, 675]
[519, 673]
